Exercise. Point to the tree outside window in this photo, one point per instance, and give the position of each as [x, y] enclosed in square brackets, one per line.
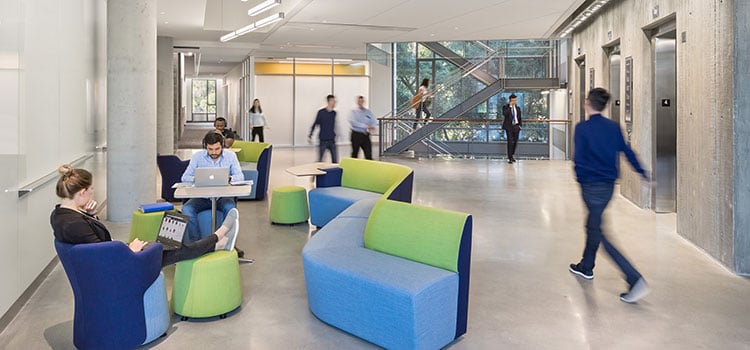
[204, 100]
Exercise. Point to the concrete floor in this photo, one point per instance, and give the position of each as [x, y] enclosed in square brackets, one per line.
[528, 226]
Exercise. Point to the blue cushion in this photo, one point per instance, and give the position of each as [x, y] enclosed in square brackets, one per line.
[390, 301]
[328, 202]
[204, 222]
[340, 232]
[360, 209]
[156, 307]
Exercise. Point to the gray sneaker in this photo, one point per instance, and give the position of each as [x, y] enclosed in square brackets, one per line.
[639, 290]
[232, 221]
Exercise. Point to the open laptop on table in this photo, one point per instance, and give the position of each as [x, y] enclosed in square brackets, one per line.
[171, 231]
[211, 177]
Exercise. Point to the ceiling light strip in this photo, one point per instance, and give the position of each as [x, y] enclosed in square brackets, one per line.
[253, 26]
[263, 7]
[583, 16]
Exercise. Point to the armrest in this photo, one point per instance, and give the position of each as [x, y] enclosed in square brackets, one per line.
[332, 177]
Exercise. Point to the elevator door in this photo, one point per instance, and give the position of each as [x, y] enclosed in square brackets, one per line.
[665, 174]
[614, 86]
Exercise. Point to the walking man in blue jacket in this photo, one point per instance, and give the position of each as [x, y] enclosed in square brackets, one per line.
[598, 143]
[326, 121]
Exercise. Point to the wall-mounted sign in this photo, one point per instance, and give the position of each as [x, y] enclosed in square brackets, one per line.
[629, 89]
[592, 79]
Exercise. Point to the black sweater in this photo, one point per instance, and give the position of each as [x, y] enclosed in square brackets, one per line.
[73, 227]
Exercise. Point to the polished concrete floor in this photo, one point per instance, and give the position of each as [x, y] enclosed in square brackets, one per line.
[528, 226]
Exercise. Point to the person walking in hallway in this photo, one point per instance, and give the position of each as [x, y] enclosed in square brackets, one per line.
[423, 101]
[257, 121]
[512, 126]
[363, 124]
[326, 121]
[598, 143]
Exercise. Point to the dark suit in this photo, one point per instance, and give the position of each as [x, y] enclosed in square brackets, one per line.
[512, 130]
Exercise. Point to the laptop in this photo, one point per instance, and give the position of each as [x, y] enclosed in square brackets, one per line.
[172, 230]
[208, 177]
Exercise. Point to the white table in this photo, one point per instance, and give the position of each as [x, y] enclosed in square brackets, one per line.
[213, 193]
[311, 169]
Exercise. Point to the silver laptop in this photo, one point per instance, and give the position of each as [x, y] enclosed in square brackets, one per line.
[207, 177]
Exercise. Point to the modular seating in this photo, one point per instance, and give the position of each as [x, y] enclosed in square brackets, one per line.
[171, 169]
[120, 297]
[289, 205]
[392, 273]
[207, 286]
[255, 160]
[354, 180]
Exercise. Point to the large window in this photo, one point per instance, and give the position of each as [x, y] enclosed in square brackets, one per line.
[204, 101]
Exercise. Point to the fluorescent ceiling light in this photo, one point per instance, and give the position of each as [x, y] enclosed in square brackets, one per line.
[269, 20]
[252, 26]
[263, 6]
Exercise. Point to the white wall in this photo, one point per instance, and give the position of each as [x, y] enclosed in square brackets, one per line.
[52, 86]
[309, 97]
[275, 96]
[381, 89]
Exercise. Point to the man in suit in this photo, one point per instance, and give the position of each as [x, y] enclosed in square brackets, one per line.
[512, 126]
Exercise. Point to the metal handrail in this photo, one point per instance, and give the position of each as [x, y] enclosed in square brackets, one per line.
[54, 175]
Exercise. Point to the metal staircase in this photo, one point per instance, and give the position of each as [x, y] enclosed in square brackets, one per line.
[480, 74]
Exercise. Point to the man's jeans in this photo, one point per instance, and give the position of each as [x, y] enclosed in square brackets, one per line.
[329, 145]
[193, 206]
[597, 196]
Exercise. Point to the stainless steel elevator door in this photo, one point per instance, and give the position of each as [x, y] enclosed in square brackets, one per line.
[665, 79]
[582, 89]
[614, 86]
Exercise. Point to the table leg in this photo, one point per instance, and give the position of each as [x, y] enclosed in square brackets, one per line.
[213, 214]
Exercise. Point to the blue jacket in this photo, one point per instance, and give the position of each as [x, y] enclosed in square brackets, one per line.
[598, 143]
[327, 122]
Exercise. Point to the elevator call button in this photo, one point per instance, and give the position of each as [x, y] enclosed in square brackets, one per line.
[666, 102]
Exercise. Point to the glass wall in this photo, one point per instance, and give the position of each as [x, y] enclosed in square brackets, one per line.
[452, 68]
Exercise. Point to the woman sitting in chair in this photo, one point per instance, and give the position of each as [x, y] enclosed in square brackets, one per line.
[74, 221]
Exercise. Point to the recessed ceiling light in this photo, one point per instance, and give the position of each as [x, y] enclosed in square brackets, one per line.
[162, 13]
[432, 34]
[166, 22]
[312, 29]
[456, 28]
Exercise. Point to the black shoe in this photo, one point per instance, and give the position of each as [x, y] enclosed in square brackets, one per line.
[577, 270]
[513, 159]
[510, 161]
[240, 252]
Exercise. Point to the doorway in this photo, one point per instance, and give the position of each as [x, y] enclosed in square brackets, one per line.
[581, 63]
[665, 130]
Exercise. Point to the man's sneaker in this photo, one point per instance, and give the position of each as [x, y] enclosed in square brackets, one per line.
[577, 270]
[637, 291]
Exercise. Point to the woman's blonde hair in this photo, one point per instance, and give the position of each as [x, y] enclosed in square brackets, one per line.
[72, 180]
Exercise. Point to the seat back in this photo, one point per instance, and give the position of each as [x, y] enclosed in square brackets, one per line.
[108, 282]
[250, 151]
[374, 176]
[431, 236]
[171, 169]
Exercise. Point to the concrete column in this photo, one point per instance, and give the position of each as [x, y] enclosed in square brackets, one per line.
[131, 106]
[741, 137]
[164, 96]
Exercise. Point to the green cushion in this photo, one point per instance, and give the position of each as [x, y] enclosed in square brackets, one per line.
[250, 151]
[145, 226]
[207, 286]
[373, 176]
[289, 205]
[422, 234]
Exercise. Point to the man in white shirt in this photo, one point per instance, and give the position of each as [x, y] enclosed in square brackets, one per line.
[363, 124]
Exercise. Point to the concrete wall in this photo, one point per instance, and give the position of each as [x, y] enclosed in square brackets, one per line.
[705, 170]
[742, 137]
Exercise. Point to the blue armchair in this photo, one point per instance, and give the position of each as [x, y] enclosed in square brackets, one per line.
[171, 169]
[120, 298]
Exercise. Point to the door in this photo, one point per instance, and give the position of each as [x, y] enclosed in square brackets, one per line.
[582, 89]
[665, 106]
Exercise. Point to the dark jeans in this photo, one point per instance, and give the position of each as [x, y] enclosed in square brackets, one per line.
[193, 206]
[597, 196]
[329, 145]
[512, 136]
[361, 140]
[257, 130]
[422, 109]
[189, 250]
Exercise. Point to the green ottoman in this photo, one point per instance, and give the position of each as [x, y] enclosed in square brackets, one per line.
[289, 205]
[145, 226]
[207, 286]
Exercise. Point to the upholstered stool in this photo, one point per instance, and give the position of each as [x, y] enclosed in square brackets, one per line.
[145, 226]
[289, 205]
[207, 286]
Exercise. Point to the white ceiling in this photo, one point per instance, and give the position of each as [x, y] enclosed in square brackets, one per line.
[340, 28]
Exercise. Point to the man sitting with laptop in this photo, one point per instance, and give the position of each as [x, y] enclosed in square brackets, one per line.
[213, 166]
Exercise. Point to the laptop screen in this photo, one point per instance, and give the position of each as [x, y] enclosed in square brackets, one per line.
[173, 226]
